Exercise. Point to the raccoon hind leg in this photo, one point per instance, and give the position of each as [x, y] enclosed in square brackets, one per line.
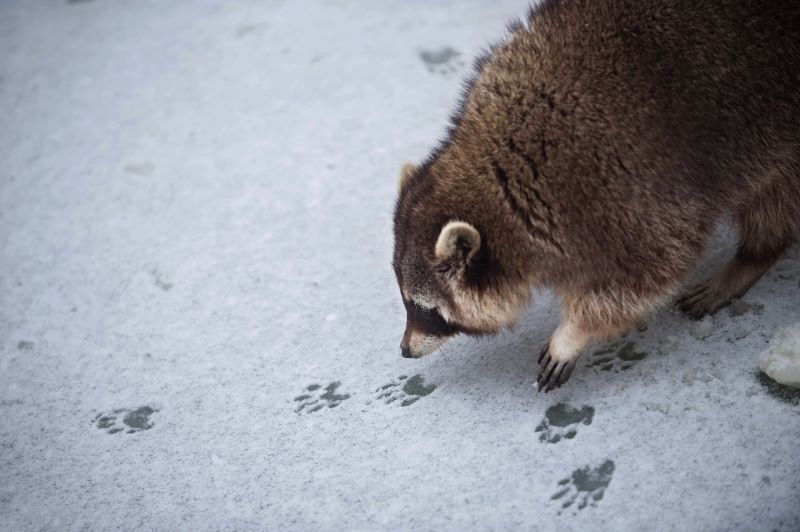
[767, 226]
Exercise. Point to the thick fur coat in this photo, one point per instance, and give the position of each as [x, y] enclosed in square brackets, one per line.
[594, 152]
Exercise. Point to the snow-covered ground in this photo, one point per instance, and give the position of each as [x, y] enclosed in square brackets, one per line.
[199, 323]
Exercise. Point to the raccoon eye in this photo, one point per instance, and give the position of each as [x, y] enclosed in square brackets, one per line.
[426, 311]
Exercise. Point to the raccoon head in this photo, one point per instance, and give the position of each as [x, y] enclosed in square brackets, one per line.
[449, 276]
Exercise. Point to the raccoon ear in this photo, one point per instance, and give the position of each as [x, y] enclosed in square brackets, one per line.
[458, 240]
[405, 172]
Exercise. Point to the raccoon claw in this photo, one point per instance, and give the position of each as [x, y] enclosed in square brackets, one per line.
[543, 353]
[553, 373]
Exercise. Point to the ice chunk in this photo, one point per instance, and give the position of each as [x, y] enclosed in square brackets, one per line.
[781, 360]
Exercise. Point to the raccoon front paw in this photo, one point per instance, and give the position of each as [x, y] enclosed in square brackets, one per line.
[552, 372]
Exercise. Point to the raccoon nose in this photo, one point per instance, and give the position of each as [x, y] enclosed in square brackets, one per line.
[406, 352]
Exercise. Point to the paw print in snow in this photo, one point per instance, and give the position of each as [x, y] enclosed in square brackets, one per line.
[442, 61]
[586, 486]
[132, 420]
[617, 357]
[159, 281]
[562, 421]
[413, 389]
[739, 307]
[311, 402]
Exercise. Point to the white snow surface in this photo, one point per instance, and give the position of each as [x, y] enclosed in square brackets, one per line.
[196, 203]
[781, 360]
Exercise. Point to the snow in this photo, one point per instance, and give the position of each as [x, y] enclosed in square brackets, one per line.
[703, 328]
[781, 360]
[196, 202]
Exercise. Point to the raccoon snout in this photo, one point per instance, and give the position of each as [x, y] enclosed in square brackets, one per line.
[405, 351]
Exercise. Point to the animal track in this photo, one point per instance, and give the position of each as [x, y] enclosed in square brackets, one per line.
[739, 307]
[562, 421]
[442, 61]
[617, 357]
[586, 486]
[413, 389]
[145, 168]
[159, 280]
[132, 420]
[247, 29]
[311, 402]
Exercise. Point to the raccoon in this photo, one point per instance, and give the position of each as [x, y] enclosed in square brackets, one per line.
[594, 152]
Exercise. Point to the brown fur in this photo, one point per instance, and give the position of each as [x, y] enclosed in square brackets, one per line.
[595, 151]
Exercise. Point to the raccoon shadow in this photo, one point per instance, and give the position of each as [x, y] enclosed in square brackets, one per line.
[510, 358]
